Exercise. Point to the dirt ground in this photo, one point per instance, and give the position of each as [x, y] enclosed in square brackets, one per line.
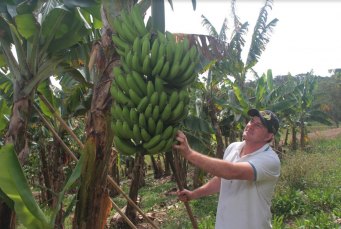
[332, 133]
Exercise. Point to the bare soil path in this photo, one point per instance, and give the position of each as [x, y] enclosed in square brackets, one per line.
[332, 133]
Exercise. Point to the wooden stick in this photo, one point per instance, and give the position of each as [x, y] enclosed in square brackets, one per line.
[76, 160]
[111, 181]
[169, 157]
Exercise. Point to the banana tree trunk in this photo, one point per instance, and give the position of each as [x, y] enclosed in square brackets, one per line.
[94, 204]
[46, 174]
[16, 134]
[286, 137]
[294, 139]
[302, 139]
[134, 188]
[167, 169]
[157, 172]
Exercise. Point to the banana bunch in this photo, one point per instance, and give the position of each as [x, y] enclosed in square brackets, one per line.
[151, 90]
[144, 116]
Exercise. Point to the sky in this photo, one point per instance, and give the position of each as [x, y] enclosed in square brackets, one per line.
[307, 36]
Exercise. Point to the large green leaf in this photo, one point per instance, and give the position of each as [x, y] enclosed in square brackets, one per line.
[13, 182]
[197, 144]
[4, 114]
[281, 105]
[26, 25]
[228, 105]
[270, 80]
[198, 124]
[71, 30]
[242, 97]
[260, 90]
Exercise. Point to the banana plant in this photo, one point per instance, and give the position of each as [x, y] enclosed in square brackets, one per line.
[235, 66]
[37, 32]
[17, 193]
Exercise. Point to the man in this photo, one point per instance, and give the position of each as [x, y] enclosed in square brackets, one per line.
[246, 176]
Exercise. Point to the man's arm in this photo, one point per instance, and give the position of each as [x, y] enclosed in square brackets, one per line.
[217, 167]
[211, 187]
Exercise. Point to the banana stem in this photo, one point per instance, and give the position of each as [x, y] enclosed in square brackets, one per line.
[169, 157]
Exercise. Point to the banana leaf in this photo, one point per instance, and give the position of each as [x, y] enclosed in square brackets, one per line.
[195, 123]
[14, 184]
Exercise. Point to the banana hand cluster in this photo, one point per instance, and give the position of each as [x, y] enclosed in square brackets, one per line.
[150, 92]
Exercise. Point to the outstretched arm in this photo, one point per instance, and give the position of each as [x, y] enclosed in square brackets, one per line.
[217, 167]
[211, 187]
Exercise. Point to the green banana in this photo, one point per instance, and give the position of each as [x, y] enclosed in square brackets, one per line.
[126, 51]
[154, 53]
[153, 142]
[189, 71]
[124, 65]
[185, 44]
[119, 42]
[114, 92]
[158, 67]
[173, 99]
[137, 45]
[165, 70]
[148, 110]
[162, 50]
[143, 104]
[178, 52]
[175, 132]
[129, 23]
[134, 97]
[114, 129]
[176, 112]
[118, 28]
[166, 112]
[132, 85]
[154, 99]
[161, 37]
[136, 63]
[119, 111]
[173, 71]
[156, 112]
[169, 53]
[122, 83]
[189, 80]
[117, 71]
[119, 52]
[159, 127]
[137, 132]
[128, 32]
[158, 85]
[168, 145]
[171, 39]
[145, 50]
[138, 20]
[113, 113]
[167, 133]
[151, 125]
[119, 127]
[142, 121]
[127, 148]
[186, 99]
[125, 17]
[192, 53]
[126, 129]
[124, 99]
[181, 117]
[134, 117]
[157, 149]
[184, 63]
[146, 66]
[141, 83]
[145, 136]
[162, 100]
[182, 95]
[126, 116]
[196, 60]
[150, 89]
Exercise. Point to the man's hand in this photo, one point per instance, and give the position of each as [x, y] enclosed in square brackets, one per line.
[183, 147]
[185, 195]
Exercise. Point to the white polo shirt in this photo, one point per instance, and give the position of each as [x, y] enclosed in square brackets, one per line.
[246, 204]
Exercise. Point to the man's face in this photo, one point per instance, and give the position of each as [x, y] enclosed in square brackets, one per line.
[256, 132]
